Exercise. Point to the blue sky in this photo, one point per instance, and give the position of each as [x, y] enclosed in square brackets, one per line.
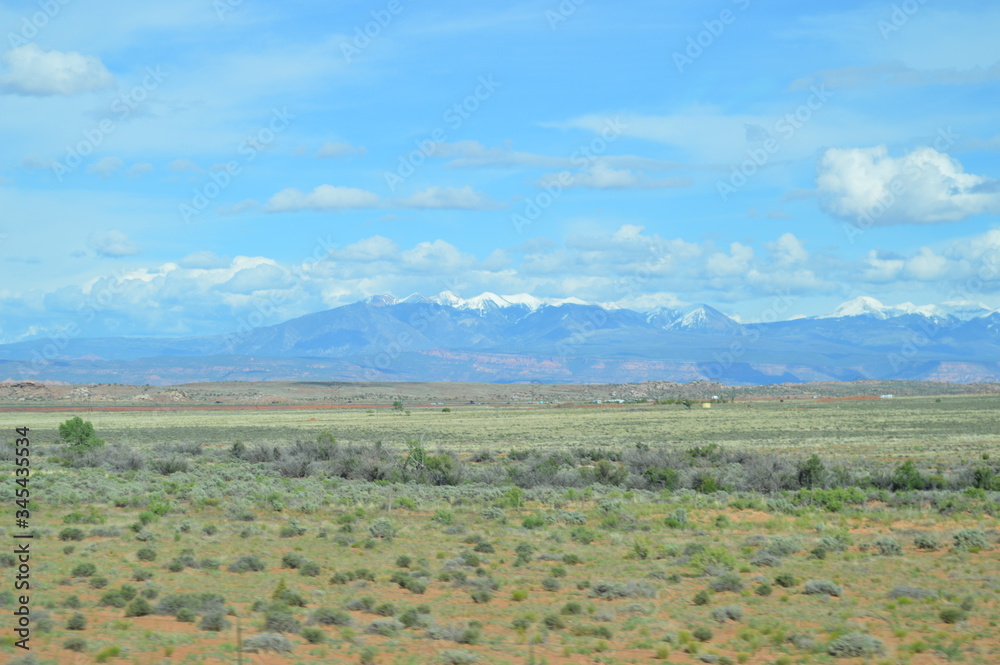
[178, 168]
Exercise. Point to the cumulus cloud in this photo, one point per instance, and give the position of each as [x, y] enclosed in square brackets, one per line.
[787, 250]
[323, 198]
[140, 168]
[339, 149]
[105, 166]
[31, 71]
[450, 198]
[736, 262]
[871, 188]
[113, 244]
[258, 278]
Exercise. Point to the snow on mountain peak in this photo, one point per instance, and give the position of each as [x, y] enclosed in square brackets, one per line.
[860, 306]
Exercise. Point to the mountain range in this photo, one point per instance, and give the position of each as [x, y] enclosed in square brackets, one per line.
[523, 338]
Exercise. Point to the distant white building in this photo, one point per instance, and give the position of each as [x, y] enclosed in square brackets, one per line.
[886, 396]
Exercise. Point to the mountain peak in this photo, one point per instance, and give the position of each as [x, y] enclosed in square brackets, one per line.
[860, 306]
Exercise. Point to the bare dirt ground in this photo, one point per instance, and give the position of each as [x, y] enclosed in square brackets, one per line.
[291, 394]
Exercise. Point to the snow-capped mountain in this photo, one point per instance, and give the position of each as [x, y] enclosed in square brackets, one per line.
[702, 318]
[492, 337]
[874, 308]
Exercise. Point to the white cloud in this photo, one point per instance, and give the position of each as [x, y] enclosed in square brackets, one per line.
[602, 176]
[450, 198]
[324, 197]
[34, 72]
[113, 244]
[258, 278]
[105, 166]
[140, 168]
[926, 266]
[735, 263]
[894, 73]
[339, 149]
[237, 208]
[879, 268]
[439, 256]
[787, 250]
[870, 188]
[183, 166]
[204, 260]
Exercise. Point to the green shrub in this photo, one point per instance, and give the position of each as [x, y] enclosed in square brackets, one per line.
[107, 653]
[382, 528]
[572, 608]
[214, 621]
[702, 634]
[853, 645]
[268, 642]
[554, 622]
[247, 563]
[76, 622]
[785, 580]
[84, 570]
[139, 607]
[728, 613]
[313, 635]
[702, 597]
[822, 587]
[327, 617]
[927, 542]
[970, 540]
[952, 615]
[71, 533]
[186, 614]
[886, 546]
[281, 622]
[77, 644]
[146, 554]
[763, 590]
[550, 584]
[727, 582]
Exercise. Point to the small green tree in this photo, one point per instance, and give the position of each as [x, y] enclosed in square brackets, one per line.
[79, 433]
[812, 472]
[906, 477]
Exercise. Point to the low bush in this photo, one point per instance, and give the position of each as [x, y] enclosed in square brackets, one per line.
[273, 642]
[853, 645]
[822, 587]
[970, 540]
[728, 613]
